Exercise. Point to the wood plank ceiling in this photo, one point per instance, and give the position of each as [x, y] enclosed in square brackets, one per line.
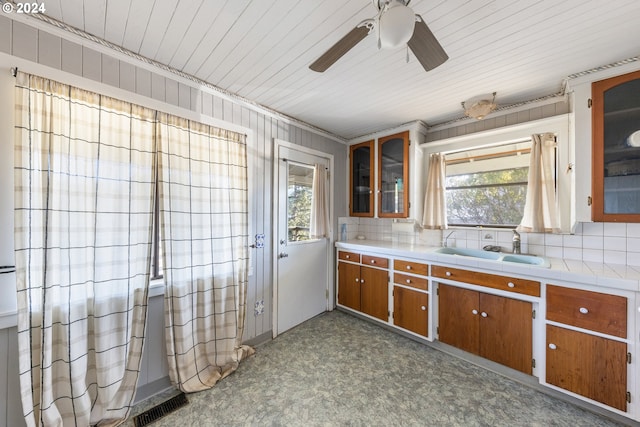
[261, 50]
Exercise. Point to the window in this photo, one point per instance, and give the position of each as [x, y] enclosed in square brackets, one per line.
[299, 196]
[487, 186]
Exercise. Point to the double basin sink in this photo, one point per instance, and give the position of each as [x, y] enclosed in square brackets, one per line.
[496, 256]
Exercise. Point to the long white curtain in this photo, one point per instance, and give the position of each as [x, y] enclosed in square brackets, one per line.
[435, 207]
[84, 169]
[203, 209]
[319, 227]
[540, 209]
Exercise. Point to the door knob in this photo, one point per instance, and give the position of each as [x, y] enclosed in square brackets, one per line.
[283, 255]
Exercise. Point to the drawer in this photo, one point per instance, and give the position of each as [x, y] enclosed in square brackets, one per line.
[411, 267]
[589, 310]
[413, 281]
[511, 284]
[349, 256]
[375, 261]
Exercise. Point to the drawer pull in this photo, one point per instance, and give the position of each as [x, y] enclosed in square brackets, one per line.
[448, 273]
[408, 267]
[373, 261]
[584, 310]
[408, 280]
[474, 311]
[552, 346]
[347, 256]
[423, 308]
[483, 314]
[511, 285]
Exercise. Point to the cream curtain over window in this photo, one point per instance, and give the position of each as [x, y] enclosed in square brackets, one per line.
[84, 186]
[540, 209]
[319, 227]
[203, 210]
[435, 207]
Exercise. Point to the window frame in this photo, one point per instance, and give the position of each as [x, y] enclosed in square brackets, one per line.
[565, 171]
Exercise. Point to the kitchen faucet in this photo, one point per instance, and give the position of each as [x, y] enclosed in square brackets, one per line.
[444, 243]
[516, 242]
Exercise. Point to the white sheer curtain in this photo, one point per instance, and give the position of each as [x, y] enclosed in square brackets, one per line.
[84, 168]
[203, 210]
[435, 206]
[319, 227]
[540, 210]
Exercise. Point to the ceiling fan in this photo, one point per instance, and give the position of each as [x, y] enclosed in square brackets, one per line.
[396, 25]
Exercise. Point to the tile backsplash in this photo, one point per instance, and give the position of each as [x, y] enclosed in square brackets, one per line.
[611, 243]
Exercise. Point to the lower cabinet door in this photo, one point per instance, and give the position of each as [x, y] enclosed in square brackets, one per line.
[349, 285]
[458, 323]
[591, 366]
[410, 310]
[506, 328]
[374, 292]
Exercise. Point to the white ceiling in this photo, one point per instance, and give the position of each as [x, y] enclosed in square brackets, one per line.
[261, 50]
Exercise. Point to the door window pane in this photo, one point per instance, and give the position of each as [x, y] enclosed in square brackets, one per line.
[299, 195]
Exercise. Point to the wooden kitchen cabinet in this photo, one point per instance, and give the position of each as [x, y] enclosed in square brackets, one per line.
[361, 179]
[616, 149]
[393, 176]
[491, 326]
[361, 287]
[589, 365]
[410, 310]
[388, 177]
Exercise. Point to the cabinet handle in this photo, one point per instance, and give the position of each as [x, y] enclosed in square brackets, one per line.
[511, 285]
[448, 273]
[373, 261]
[357, 280]
[361, 280]
[552, 346]
[347, 256]
[474, 311]
[408, 280]
[423, 308]
[483, 314]
[584, 310]
[408, 267]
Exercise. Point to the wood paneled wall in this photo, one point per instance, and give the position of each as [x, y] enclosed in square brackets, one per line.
[18, 40]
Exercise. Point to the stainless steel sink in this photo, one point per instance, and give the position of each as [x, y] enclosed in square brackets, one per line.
[496, 256]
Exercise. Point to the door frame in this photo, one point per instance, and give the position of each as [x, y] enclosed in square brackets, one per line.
[277, 143]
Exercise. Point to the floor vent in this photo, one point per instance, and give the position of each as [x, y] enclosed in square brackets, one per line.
[159, 411]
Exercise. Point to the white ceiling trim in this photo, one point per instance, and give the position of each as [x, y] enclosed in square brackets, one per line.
[53, 26]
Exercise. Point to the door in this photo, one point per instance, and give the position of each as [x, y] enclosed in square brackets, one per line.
[302, 262]
[410, 310]
[374, 292]
[458, 318]
[594, 367]
[349, 285]
[506, 327]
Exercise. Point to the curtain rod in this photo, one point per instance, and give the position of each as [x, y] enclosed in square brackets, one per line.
[14, 71]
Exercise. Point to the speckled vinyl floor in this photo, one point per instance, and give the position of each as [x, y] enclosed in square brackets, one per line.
[339, 370]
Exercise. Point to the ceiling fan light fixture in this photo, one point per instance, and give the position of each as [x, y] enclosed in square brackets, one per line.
[479, 109]
[396, 26]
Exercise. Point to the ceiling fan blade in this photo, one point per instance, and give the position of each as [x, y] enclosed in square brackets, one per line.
[425, 46]
[343, 46]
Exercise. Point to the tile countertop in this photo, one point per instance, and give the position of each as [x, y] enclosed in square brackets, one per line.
[616, 276]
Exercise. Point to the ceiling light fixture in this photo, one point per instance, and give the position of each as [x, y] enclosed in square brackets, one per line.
[479, 108]
[396, 24]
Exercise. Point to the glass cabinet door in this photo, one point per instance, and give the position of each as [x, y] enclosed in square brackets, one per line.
[393, 174]
[616, 149]
[361, 180]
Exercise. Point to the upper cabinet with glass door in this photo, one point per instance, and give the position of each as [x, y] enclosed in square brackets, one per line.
[361, 179]
[616, 149]
[393, 176]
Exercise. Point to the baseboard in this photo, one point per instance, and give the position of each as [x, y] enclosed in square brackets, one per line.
[260, 339]
[151, 389]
